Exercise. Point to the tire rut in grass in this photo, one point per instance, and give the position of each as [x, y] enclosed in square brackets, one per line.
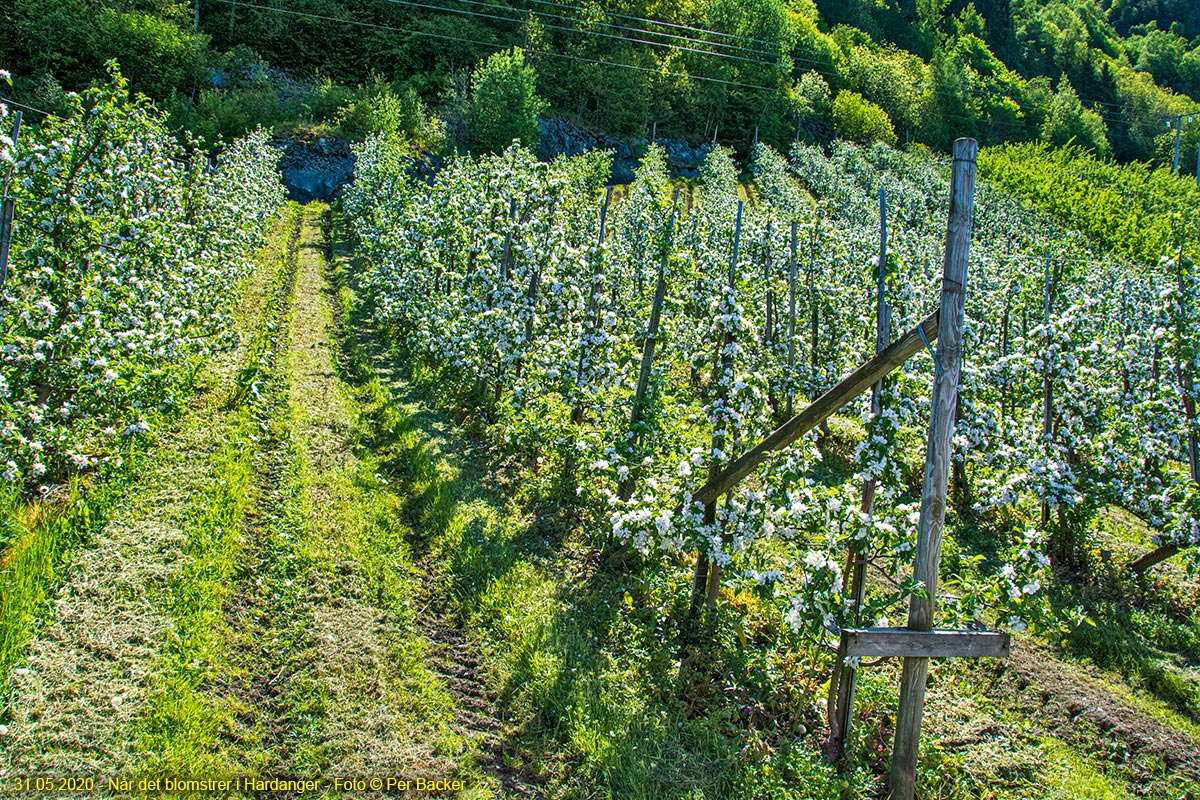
[326, 672]
[267, 640]
[457, 662]
[1079, 709]
[387, 715]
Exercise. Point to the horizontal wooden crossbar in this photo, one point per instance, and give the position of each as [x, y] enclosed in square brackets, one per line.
[822, 408]
[901, 642]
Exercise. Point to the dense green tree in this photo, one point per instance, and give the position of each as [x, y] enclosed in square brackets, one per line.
[811, 101]
[859, 120]
[1068, 120]
[504, 101]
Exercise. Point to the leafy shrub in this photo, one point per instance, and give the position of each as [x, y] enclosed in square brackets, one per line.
[504, 103]
[859, 120]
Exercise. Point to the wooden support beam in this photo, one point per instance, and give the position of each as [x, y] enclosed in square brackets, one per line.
[903, 643]
[821, 409]
[1155, 556]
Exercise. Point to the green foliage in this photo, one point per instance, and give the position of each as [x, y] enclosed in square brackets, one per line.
[504, 101]
[397, 115]
[155, 54]
[939, 69]
[1130, 208]
[859, 120]
[1068, 121]
[72, 40]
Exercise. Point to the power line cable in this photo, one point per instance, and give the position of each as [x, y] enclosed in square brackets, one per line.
[658, 22]
[24, 107]
[938, 91]
[584, 21]
[494, 45]
[518, 20]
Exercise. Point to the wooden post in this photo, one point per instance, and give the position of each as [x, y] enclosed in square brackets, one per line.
[8, 208]
[705, 586]
[937, 463]
[625, 489]
[726, 369]
[846, 676]
[792, 322]
[1155, 556]
[1184, 374]
[812, 295]
[1004, 324]
[591, 312]
[770, 322]
[505, 261]
[1047, 385]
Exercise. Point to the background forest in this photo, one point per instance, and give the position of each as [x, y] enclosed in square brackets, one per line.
[1112, 74]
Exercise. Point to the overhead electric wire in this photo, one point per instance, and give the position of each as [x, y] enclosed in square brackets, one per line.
[657, 22]
[518, 20]
[584, 21]
[24, 107]
[418, 32]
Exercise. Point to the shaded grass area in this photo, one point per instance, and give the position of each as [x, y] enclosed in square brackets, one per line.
[599, 697]
[1144, 626]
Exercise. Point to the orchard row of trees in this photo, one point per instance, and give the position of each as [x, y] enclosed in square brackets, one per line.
[128, 253]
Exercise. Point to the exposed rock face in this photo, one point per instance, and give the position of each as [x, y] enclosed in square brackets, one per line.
[561, 137]
[316, 169]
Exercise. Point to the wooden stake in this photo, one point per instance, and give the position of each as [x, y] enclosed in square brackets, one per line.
[725, 366]
[506, 260]
[8, 208]
[937, 463]
[1184, 374]
[591, 312]
[625, 490]
[1047, 385]
[792, 322]
[812, 294]
[845, 676]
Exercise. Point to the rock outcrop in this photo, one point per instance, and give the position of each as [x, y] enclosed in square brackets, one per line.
[560, 137]
[316, 169]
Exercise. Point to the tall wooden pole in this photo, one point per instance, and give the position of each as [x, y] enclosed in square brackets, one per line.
[1047, 384]
[726, 369]
[792, 322]
[625, 489]
[591, 312]
[707, 578]
[847, 676]
[937, 463]
[8, 208]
